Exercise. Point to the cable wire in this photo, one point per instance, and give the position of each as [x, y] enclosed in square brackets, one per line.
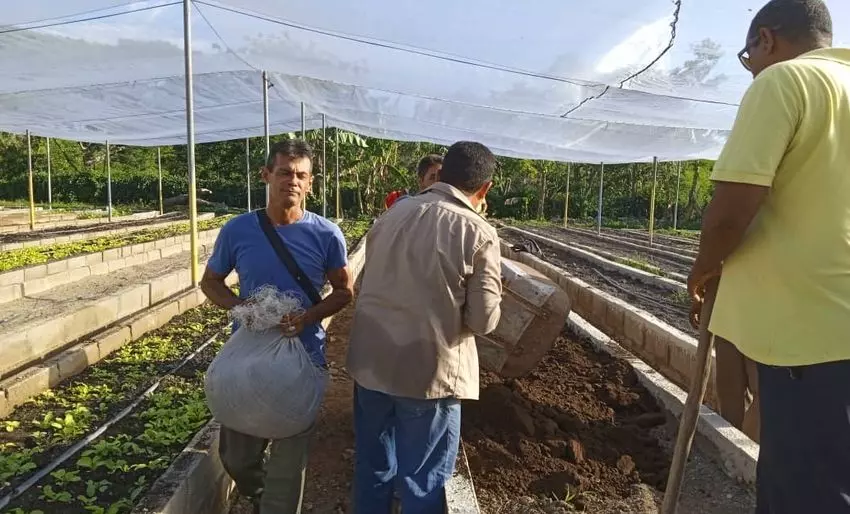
[91, 18]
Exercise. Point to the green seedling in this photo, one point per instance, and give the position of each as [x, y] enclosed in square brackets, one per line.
[64, 477]
[12, 259]
[14, 464]
[10, 426]
[48, 494]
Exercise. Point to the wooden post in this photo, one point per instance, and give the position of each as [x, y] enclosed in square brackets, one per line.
[159, 168]
[30, 181]
[599, 208]
[567, 195]
[108, 185]
[652, 198]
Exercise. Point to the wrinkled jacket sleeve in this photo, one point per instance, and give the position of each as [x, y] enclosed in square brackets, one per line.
[484, 290]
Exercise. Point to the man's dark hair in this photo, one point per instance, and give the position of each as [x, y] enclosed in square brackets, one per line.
[468, 166]
[427, 162]
[798, 21]
[292, 148]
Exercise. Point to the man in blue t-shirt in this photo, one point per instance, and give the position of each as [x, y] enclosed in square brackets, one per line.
[318, 247]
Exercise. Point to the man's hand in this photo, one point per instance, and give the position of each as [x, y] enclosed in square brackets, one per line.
[292, 325]
[696, 290]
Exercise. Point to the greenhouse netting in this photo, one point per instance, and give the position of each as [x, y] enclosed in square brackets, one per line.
[607, 81]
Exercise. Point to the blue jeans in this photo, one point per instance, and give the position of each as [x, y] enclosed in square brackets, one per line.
[804, 459]
[405, 444]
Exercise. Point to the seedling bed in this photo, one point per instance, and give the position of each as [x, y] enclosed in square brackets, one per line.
[18, 258]
[580, 433]
[629, 256]
[671, 307]
[354, 230]
[684, 242]
[65, 231]
[132, 452]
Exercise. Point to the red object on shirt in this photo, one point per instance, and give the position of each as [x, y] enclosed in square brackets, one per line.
[392, 197]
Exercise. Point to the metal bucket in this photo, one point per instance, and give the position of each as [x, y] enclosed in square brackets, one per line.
[534, 311]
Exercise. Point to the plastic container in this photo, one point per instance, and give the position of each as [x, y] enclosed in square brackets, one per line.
[534, 312]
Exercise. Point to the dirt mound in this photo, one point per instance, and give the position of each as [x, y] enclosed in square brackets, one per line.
[579, 423]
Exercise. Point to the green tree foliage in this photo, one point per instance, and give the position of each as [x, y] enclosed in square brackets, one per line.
[369, 169]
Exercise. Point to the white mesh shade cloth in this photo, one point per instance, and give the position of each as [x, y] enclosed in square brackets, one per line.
[556, 79]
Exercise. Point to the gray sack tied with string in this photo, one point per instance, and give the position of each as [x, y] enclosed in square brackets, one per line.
[263, 383]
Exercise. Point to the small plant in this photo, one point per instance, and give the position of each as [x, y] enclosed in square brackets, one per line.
[16, 463]
[48, 494]
[10, 426]
[63, 477]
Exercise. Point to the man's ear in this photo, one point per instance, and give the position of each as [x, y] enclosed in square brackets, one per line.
[767, 40]
[483, 190]
[264, 175]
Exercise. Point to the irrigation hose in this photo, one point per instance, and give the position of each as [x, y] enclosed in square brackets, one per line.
[79, 445]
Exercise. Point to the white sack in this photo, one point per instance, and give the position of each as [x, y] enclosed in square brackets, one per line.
[263, 383]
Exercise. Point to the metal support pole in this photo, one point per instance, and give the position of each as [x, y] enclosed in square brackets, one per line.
[303, 122]
[324, 170]
[266, 128]
[336, 149]
[159, 185]
[652, 199]
[599, 208]
[248, 169]
[567, 195]
[304, 137]
[190, 140]
[108, 184]
[30, 181]
[49, 180]
[676, 205]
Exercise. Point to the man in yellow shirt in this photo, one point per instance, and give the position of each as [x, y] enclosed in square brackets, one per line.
[779, 225]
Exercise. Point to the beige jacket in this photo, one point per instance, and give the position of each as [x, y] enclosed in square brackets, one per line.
[432, 278]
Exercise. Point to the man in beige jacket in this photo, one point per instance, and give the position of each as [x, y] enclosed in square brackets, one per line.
[432, 280]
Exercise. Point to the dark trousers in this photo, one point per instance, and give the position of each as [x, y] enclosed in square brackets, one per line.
[804, 459]
[276, 485]
[403, 444]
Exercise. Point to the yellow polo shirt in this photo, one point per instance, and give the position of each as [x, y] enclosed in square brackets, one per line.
[784, 296]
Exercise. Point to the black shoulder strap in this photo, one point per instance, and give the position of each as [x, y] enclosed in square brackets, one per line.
[286, 257]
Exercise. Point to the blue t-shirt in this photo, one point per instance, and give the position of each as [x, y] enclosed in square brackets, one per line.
[316, 244]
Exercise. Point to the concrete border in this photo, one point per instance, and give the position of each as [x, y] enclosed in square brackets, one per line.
[460, 493]
[665, 348]
[738, 453]
[20, 282]
[686, 258]
[676, 277]
[22, 386]
[69, 220]
[585, 255]
[35, 340]
[77, 236]
[195, 482]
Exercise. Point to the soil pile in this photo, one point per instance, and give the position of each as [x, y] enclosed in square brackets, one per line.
[579, 425]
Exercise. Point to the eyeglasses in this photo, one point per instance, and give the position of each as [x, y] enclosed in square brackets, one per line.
[744, 55]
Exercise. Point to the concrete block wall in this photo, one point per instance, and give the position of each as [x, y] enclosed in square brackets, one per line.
[67, 220]
[40, 377]
[54, 239]
[24, 345]
[665, 348]
[17, 283]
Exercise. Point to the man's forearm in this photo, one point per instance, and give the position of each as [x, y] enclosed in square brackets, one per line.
[219, 294]
[333, 303]
[716, 245]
